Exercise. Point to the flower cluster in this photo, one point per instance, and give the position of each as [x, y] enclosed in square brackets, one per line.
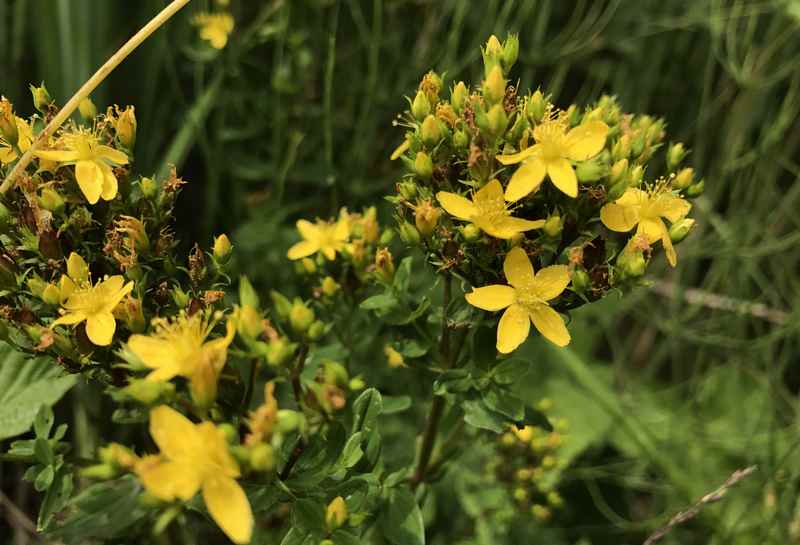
[501, 182]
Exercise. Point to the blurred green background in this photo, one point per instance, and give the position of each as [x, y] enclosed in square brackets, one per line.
[669, 389]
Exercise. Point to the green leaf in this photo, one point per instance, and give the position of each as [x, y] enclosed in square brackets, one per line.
[478, 415]
[453, 381]
[43, 422]
[402, 275]
[505, 403]
[396, 404]
[56, 498]
[309, 515]
[343, 537]
[44, 479]
[401, 520]
[366, 410]
[298, 537]
[510, 371]
[43, 451]
[383, 302]
[25, 386]
[352, 452]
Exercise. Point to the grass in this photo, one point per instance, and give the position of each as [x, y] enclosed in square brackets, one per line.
[296, 116]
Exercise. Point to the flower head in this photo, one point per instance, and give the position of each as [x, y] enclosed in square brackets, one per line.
[93, 162]
[93, 304]
[179, 348]
[525, 301]
[24, 141]
[555, 147]
[214, 27]
[487, 210]
[323, 236]
[195, 457]
[645, 210]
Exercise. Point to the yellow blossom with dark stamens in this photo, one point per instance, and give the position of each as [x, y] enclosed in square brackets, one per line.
[487, 210]
[178, 347]
[556, 145]
[195, 458]
[93, 163]
[525, 301]
[645, 210]
[324, 237]
[93, 304]
[214, 27]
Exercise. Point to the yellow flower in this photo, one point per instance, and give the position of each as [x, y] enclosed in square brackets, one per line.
[93, 162]
[24, 142]
[214, 28]
[195, 457]
[554, 149]
[324, 236]
[487, 211]
[179, 348]
[93, 304]
[525, 301]
[645, 210]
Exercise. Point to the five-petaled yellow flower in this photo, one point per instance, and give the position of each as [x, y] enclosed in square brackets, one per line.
[487, 210]
[324, 237]
[195, 457]
[179, 348]
[93, 304]
[93, 162]
[525, 301]
[645, 210]
[25, 139]
[555, 147]
[214, 28]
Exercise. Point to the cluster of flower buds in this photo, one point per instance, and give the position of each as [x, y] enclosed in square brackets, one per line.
[584, 195]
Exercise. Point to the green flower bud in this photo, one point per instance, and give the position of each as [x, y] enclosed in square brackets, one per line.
[590, 171]
[616, 190]
[680, 229]
[407, 190]
[423, 165]
[537, 104]
[494, 86]
[147, 391]
[695, 190]
[426, 217]
[683, 179]
[229, 430]
[622, 148]
[409, 234]
[262, 457]
[87, 108]
[357, 383]
[149, 188]
[51, 295]
[180, 297]
[635, 176]
[384, 265]
[510, 52]
[421, 107]
[553, 226]
[554, 499]
[580, 280]
[125, 126]
[431, 131]
[5, 217]
[301, 316]
[638, 144]
[541, 513]
[497, 120]
[222, 248]
[458, 96]
[460, 139]
[50, 200]
[316, 331]
[36, 286]
[675, 155]
[282, 305]
[520, 494]
[519, 127]
[279, 351]
[471, 232]
[492, 54]
[289, 421]
[41, 98]
[632, 263]
[618, 171]
[336, 513]
[8, 122]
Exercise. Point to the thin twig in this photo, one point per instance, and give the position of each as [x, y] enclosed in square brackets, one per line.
[15, 516]
[86, 89]
[693, 511]
[297, 388]
[706, 299]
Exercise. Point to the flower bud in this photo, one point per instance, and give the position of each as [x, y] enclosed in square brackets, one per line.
[622, 148]
[51, 294]
[618, 171]
[301, 316]
[222, 249]
[384, 265]
[149, 188]
[580, 280]
[316, 331]
[426, 217]
[36, 286]
[460, 139]
[50, 200]
[638, 143]
[471, 232]
[632, 263]
[147, 391]
[125, 126]
[616, 190]
[336, 513]
[249, 323]
[262, 457]
[683, 179]
[393, 358]
[409, 233]
[423, 165]
[431, 131]
[590, 171]
[458, 96]
[675, 155]
[554, 499]
[519, 127]
[497, 120]
[329, 286]
[77, 269]
[5, 217]
[510, 52]
[307, 266]
[421, 107]
[289, 421]
[180, 297]
[41, 98]
[282, 305]
[680, 229]
[536, 106]
[407, 190]
[8, 122]
[635, 176]
[494, 86]
[553, 226]
[279, 351]
[492, 54]
[695, 190]
[87, 108]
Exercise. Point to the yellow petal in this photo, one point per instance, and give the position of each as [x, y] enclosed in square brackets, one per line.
[341, 231]
[586, 140]
[526, 179]
[518, 268]
[111, 154]
[109, 187]
[65, 287]
[174, 434]
[515, 158]
[563, 177]
[307, 230]
[168, 480]
[400, 150]
[456, 205]
[155, 354]
[550, 324]
[493, 191]
[551, 281]
[507, 227]
[302, 249]
[652, 229]
[513, 329]
[100, 328]
[228, 506]
[329, 252]
[216, 446]
[671, 207]
[59, 156]
[618, 217]
[90, 180]
[77, 269]
[633, 197]
[70, 318]
[669, 249]
[494, 297]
